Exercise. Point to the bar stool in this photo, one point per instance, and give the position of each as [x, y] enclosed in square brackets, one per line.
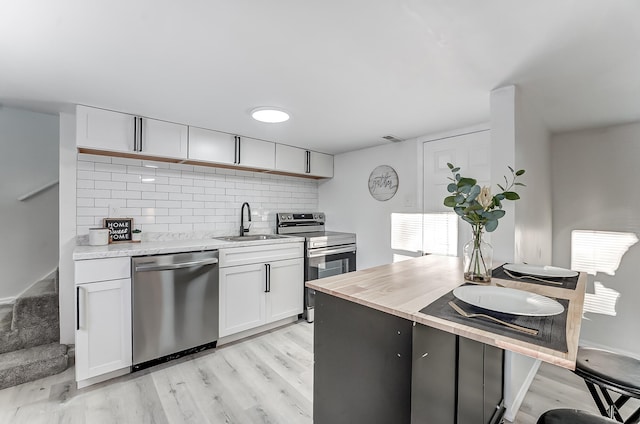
[572, 416]
[609, 371]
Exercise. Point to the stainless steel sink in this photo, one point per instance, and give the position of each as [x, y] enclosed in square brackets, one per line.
[252, 237]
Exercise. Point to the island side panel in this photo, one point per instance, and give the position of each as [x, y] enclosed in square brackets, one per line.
[362, 370]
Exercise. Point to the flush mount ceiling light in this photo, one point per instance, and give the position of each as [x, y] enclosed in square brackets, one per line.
[270, 115]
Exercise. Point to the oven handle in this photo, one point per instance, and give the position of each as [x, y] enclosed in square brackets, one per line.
[330, 251]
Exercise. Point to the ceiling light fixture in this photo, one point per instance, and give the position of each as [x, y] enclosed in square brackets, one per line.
[270, 115]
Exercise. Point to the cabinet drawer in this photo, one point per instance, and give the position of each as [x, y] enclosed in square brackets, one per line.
[102, 269]
[260, 254]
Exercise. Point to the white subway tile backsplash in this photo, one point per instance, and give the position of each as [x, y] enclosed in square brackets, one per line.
[180, 196]
[85, 184]
[111, 185]
[168, 188]
[135, 203]
[193, 190]
[85, 202]
[155, 195]
[168, 220]
[82, 211]
[120, 194]
[126, 161]
[168, 204]
[109, 167]
[166, 197]
[92, 175]
[141, 187]
[111, 203]
[125, 177]
[82, 192]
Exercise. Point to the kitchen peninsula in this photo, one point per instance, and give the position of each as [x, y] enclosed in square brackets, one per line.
[378, 358]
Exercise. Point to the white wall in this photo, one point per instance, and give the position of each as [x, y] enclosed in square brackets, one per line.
[28, 161]
[595, 187]
[520, 139]
[349, 207]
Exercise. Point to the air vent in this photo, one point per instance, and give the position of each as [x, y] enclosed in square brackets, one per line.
[392, 138]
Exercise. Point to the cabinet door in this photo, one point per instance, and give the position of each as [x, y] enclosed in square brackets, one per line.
[103, 328]
[286, 293]
[211, 146]
[161, 138]
[321, 165]
[291, 159]
[242, 298]
[255, 153]
[104, 129]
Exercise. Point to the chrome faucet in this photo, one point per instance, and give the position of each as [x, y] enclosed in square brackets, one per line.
[242, 229]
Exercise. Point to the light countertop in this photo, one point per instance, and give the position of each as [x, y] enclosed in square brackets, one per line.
[168, 246]
[404, 288]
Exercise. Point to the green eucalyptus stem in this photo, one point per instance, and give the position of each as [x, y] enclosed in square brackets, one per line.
[477, 264]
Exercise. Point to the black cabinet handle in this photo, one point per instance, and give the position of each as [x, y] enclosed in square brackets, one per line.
[140, 130]
[77, 307]
[135, 133]
[239, 145]
[267, 269]
[235, 149]
[308, 167]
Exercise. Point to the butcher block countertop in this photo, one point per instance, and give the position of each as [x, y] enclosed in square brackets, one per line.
[404, 288]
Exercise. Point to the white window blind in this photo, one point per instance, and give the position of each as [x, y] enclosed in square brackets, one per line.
[435, 233]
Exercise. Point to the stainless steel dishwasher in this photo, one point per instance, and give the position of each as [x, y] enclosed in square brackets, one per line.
[175, 306]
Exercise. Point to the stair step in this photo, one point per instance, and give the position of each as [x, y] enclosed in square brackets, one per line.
[30, 364]
[37, 306]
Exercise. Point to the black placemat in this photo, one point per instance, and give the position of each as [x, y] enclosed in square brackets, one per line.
[552, 332]
[567, 282]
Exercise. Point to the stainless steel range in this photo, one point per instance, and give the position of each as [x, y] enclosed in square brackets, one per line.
[327, 253]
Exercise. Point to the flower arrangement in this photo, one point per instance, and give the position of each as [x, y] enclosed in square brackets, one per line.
[477, 206]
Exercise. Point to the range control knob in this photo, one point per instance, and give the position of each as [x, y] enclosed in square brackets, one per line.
[289, 217]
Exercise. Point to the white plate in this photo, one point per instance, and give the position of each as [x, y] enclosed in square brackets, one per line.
[540, 271]
[509, 301]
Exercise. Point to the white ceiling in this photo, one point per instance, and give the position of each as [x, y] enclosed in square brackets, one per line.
[348, 71]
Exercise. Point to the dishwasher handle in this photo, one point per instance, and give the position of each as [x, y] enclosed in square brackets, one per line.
[168, 267]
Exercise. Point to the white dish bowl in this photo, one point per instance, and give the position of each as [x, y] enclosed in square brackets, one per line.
[508, 301]
[540, 270]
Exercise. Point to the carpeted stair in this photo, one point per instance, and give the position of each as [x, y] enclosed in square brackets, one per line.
[30, 335]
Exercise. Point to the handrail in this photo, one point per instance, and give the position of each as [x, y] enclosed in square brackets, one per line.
[37, 191]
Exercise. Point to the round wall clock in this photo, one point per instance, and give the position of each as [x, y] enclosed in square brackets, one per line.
[383, 183]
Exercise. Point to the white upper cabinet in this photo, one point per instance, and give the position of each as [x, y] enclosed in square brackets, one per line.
[212, 146]
[108, 131]
[320, 164]
[301, 161]
[254, 153]
[291, 159]
[162, 138]
[120, 132]
[219, 147]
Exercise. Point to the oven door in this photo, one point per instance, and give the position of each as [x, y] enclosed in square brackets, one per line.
[330, 261]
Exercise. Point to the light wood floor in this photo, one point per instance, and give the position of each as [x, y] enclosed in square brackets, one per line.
[263, 379]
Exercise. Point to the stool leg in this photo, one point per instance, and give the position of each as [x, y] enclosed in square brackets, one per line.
[596, 399]
[634, 418]
[613, 411]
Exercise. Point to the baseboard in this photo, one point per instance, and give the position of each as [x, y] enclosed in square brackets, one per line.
[252, 332]
[512, 411]
[7, 300]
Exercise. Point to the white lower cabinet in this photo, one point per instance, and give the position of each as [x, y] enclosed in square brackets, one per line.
[103, 319]
[260, 292]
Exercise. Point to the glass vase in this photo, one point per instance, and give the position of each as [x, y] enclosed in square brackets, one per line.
[478, 258]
